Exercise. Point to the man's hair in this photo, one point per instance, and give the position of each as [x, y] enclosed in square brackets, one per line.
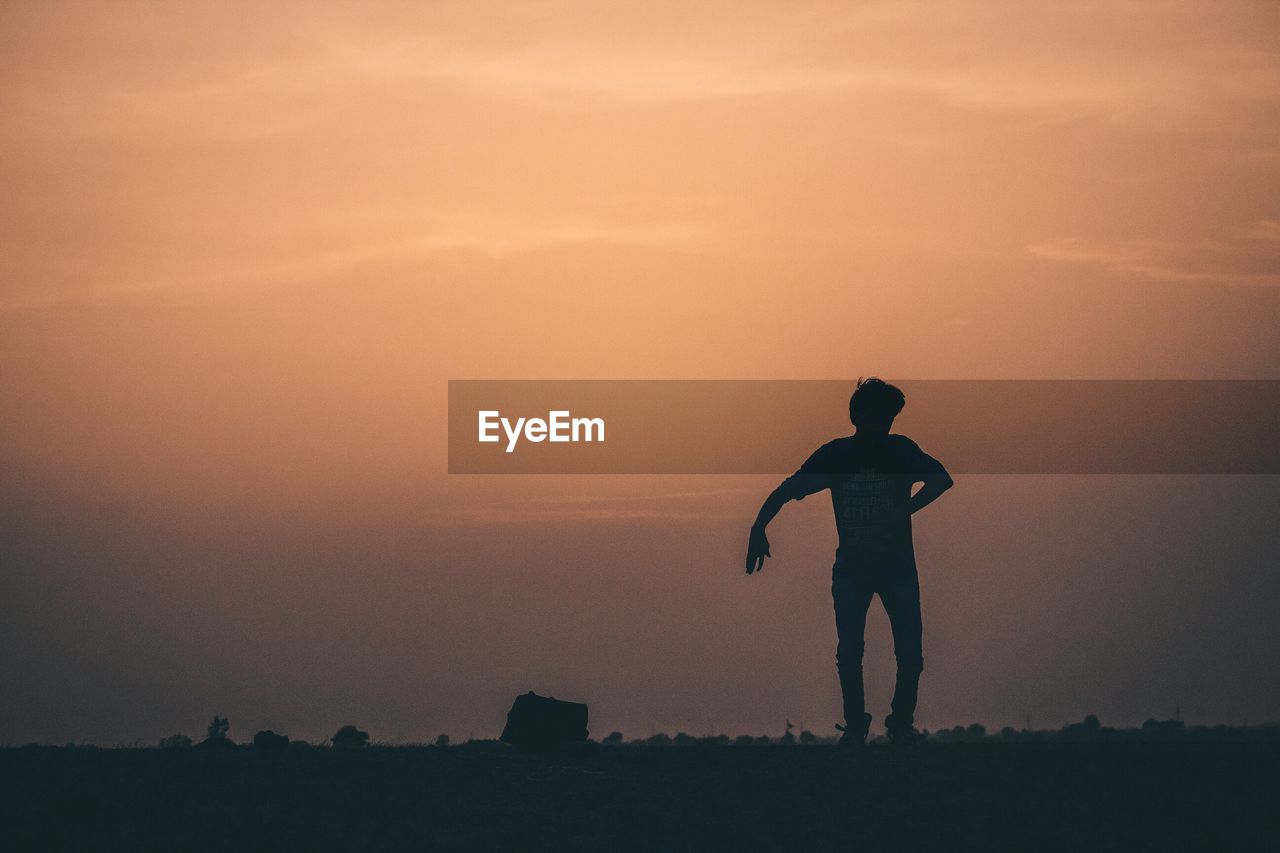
[875, 400]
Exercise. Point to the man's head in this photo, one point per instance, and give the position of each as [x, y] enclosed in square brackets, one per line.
[874, 405]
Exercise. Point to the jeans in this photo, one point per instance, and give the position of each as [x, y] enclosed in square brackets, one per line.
[852, 588]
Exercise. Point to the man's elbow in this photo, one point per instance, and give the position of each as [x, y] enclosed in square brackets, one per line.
[781, 495]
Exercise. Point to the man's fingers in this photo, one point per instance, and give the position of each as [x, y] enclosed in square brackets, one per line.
[755, 557]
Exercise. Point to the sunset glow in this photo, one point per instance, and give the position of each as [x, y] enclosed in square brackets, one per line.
[244, 247]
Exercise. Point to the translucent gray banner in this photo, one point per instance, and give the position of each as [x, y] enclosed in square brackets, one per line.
[770, 427]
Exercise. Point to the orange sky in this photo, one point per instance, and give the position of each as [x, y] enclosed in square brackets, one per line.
[245, 247]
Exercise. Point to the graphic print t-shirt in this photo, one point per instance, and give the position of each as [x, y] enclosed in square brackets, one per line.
[870, 478]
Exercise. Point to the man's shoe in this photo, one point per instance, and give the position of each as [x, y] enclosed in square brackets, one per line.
[851, 739]
[855, 735]
[904, 737]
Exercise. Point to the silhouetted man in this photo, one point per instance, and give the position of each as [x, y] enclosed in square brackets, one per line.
[870, 474]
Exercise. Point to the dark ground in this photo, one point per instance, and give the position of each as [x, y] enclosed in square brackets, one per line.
[1141, 796]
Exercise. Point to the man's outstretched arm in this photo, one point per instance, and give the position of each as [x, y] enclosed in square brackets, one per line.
[758, 542]
[794, 488]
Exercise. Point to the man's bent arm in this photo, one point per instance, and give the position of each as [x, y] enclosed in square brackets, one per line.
[934, 486]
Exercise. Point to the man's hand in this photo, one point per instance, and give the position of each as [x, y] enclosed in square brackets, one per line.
[757, 550]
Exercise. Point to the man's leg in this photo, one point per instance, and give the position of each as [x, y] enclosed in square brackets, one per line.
[901, 598]
[852, 597]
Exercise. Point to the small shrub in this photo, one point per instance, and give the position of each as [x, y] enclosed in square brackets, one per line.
[217, 735]
[269, 741]
[218, 728]
[178, 741]
[349, 737]
[612, 739]
[1163, 729]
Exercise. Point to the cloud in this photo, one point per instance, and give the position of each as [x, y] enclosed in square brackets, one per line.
[416, 236]
[1014, 59]
[1264, 229]
[294, 143]
[1249, 259]
[482, 515]
[697, 505]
